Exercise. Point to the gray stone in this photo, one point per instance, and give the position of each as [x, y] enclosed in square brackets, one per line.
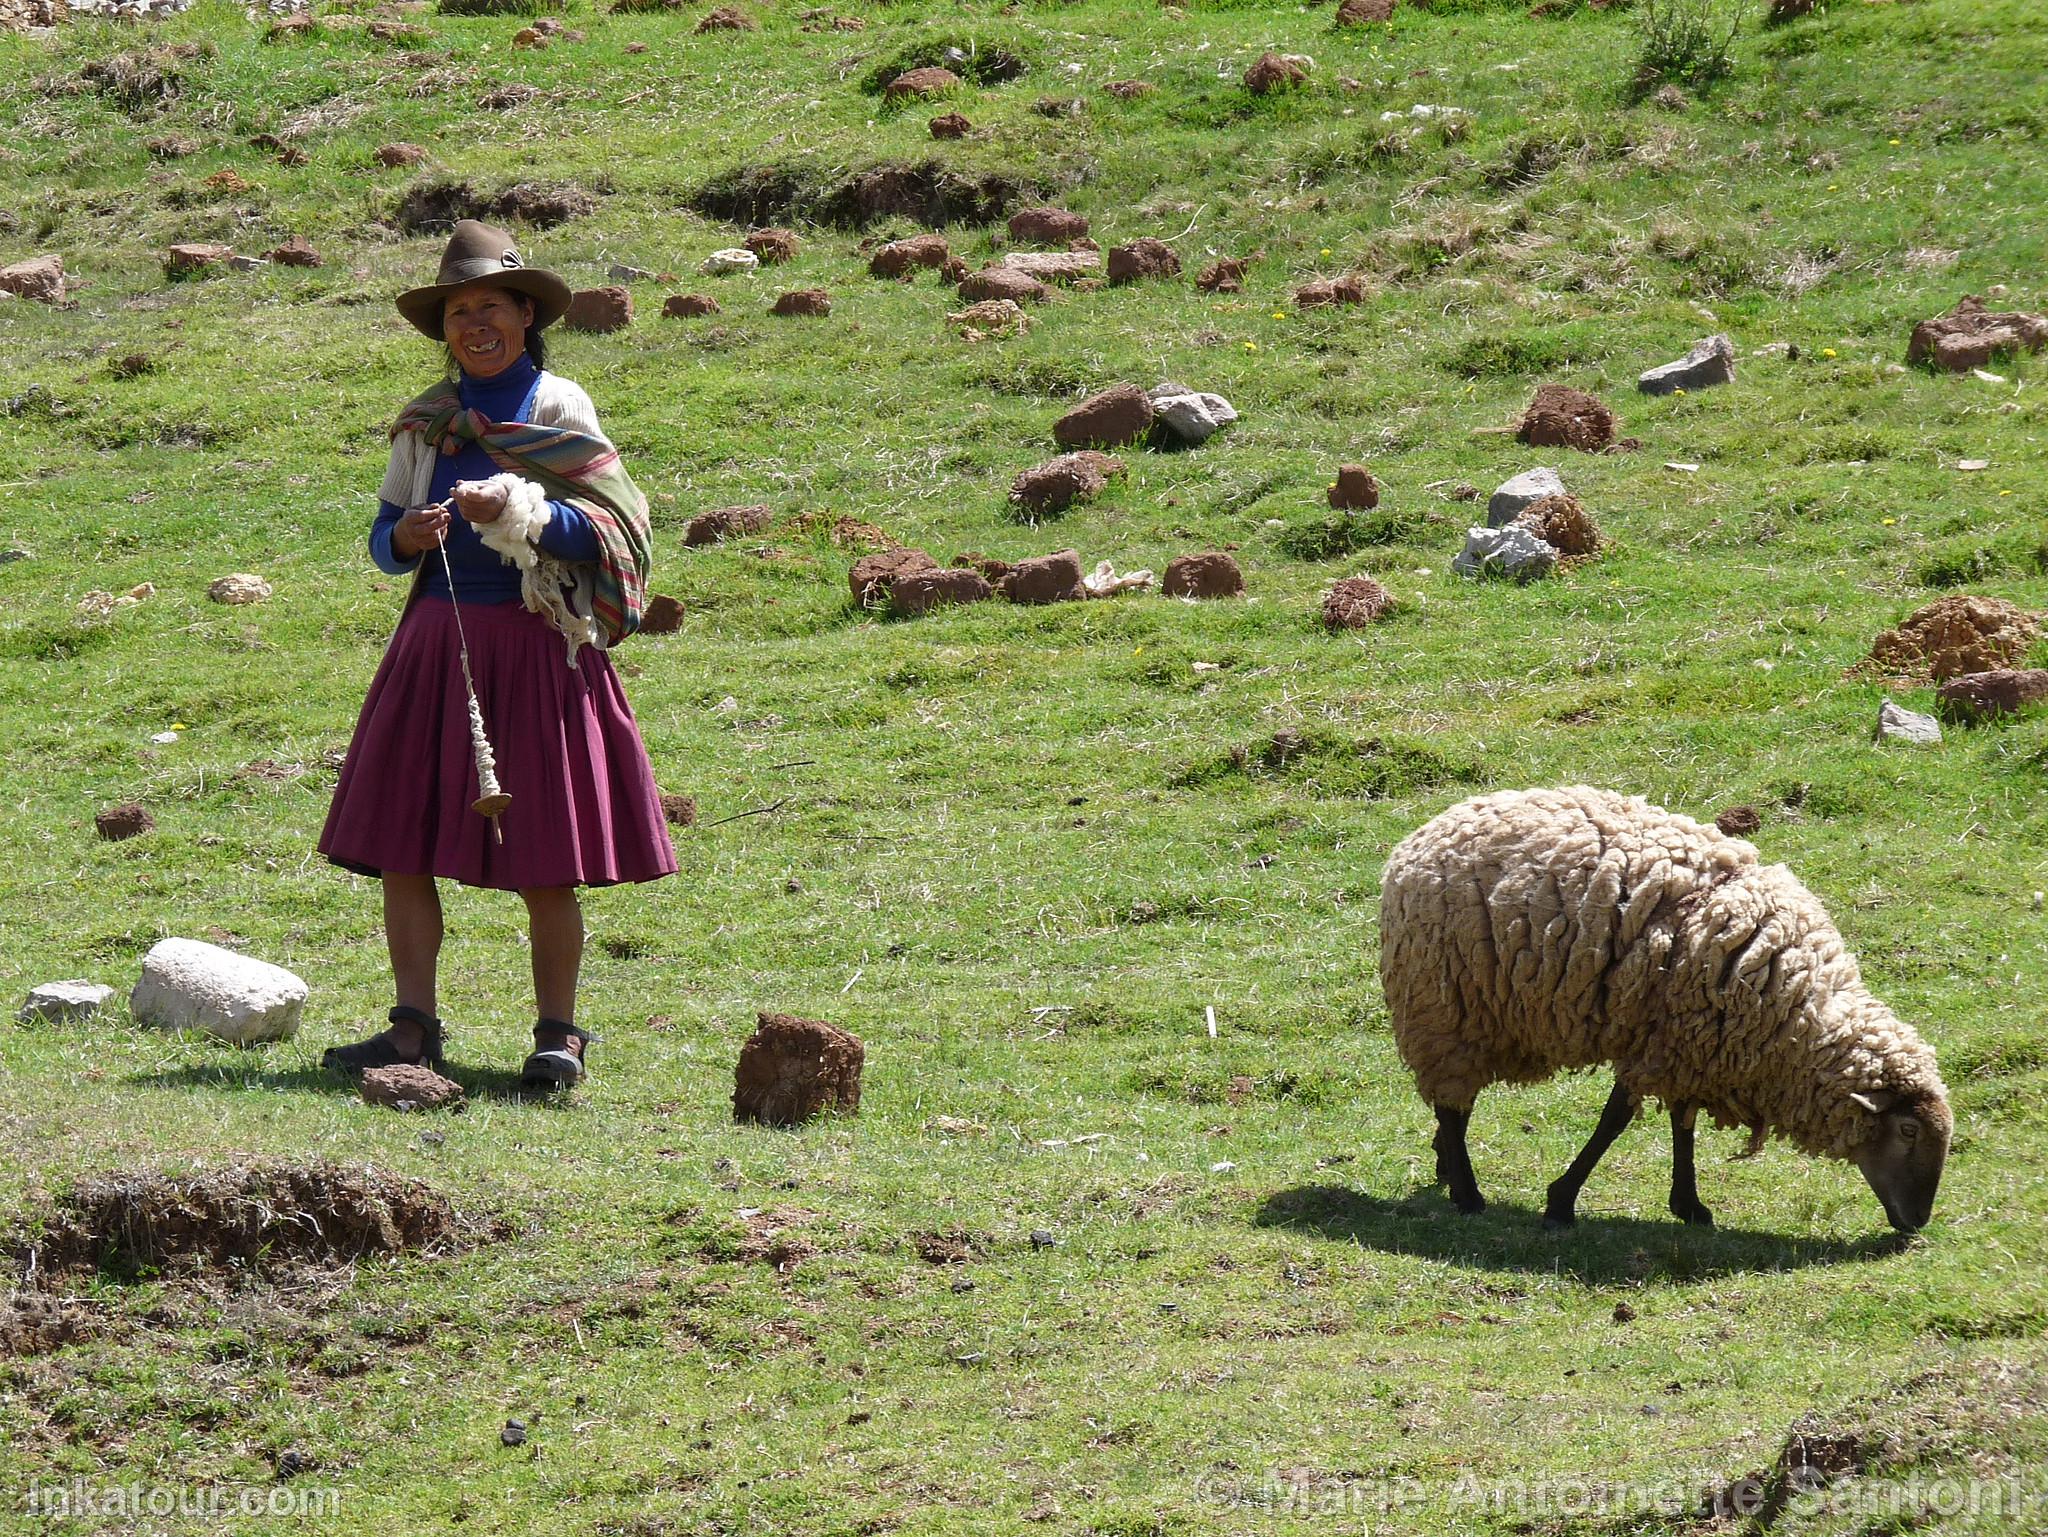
[1512, 551]
[1711, 361]
[189, 985]
[1193, 415]
[9, 556]
[619, 272]
[1906, 726]
[1517, 496]
[64, 1003]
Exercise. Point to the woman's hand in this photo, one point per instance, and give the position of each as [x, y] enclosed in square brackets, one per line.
[419, 530]
[479, 501]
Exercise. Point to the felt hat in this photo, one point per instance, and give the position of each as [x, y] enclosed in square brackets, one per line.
[478, 253]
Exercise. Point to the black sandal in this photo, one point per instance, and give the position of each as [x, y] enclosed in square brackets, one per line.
[381, 1049]
[555, 1067]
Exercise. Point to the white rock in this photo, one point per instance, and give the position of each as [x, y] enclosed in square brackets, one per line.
[1194, 415]
[1772, 350]
[1515, 497]
[189, 985]
[1711, 361]
[239, 587]
[735, 259]
[1512, 551]
[247, 263]
[1972, 465]
[64, 1003]
[1906, 726]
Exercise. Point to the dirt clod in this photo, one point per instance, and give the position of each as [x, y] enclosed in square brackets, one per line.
[919, 592]
[1117, 416]
[1225, 275]
[688, 306]
[1330, 291]
[1142, 259]
[802, 301]
[1059, 483]
[32, 1325]
[773, 245]
[1354, 603]
[247, 1217]
[1563, 523]
[1970, 336]
[1981, 696]
[1046, 226]
[1953, 636]
[1047, 579]
[396, 156]
[1562, 417]
[679, 810]
[1274, 72]
[1002, 283]
[873, 575]
[600, 310]
[1739, 821]
[295, 252]
[663, 615]
[791, 1070]
[1357, 488]
[131, 819]
[727, 19]
[950, 125]
[727, 523]
[1213, 574]
[1358, 13]
[901, 258]
[404, 1087]
[1130, 90]
[931, 80]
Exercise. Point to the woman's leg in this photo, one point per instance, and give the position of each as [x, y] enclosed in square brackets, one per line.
[412, 932]
[557, 921]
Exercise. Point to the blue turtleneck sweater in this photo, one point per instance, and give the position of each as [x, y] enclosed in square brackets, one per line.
[481, 574]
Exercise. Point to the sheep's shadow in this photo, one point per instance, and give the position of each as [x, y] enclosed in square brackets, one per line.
[1599, 1250]
[478, 1083]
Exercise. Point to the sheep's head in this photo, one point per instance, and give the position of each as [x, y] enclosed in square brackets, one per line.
[1902, 1157]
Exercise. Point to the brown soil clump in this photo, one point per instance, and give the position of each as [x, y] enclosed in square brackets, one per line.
[1118, 415]
[1562, 417]
[397, 156]
[803, 301]
[250, 1218]
[772, 1240]
[1225, 275]
[1059, 483]
[688, 306]
[1130, 90]
[295, 252]
[990, 317]
[848, 533]
[31, 1325]
[1739, 821]
[1354, 603]
[41, 278]
[1563, 523]
[1359, 13]
[1951, 637]
[679, 810]
[1344, 290]
[1273, 72]
[1970, 336]
[1357, 488]
[727, 523]
[1046, 226]
[1142, 259]
[791, 1070]
[874, 575]
[131, 819]
[194, 257]
[1980, 696]
[932, 80]
[774, 246]
[1002, 283]
[954, 1247]
[601, 310]
[1047, 579]
[919, 592]
[1214, 574]
[950, 125]
[173, 146]
[727, 19]
[1789, 10]
[403, 1087]
[992, 570]
[663, 615]
[900, 258]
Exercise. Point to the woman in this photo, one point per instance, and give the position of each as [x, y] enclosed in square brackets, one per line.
[567, 574]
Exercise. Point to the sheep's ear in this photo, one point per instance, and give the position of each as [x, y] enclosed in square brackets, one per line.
[1875, 1107]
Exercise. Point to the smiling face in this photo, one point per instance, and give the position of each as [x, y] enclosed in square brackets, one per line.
[485, 327]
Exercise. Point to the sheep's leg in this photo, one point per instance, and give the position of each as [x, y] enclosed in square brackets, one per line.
[1454, 1160]
[1685, 1194]
[1560, 1209]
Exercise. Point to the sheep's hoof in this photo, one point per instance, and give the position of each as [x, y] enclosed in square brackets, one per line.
[1557, 1221]
[1695, 1215]
[1471, 1204]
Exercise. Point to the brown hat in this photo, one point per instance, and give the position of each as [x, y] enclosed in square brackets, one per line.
[477, 254]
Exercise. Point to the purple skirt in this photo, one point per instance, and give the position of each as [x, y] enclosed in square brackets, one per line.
[585, 810]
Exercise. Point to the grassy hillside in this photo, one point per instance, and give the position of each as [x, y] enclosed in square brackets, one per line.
[1021, 851]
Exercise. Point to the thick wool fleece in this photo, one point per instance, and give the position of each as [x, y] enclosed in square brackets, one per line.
[1533, 931]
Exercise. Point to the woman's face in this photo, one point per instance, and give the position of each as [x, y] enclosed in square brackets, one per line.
[485, 327]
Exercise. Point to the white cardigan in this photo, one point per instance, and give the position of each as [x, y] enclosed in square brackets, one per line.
[563, 592]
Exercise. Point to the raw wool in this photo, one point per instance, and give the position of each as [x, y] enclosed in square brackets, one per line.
[541, 577]
[1530, 932]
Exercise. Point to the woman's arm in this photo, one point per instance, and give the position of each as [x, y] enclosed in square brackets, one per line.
[388, 560]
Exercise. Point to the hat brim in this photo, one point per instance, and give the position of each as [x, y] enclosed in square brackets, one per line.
[550, 295]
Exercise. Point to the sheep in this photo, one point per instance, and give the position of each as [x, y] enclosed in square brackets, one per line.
[1532, 931]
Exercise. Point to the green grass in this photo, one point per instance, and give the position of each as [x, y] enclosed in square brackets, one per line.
[1022, 851]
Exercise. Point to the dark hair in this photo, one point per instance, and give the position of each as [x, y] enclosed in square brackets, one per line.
[536, 348]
